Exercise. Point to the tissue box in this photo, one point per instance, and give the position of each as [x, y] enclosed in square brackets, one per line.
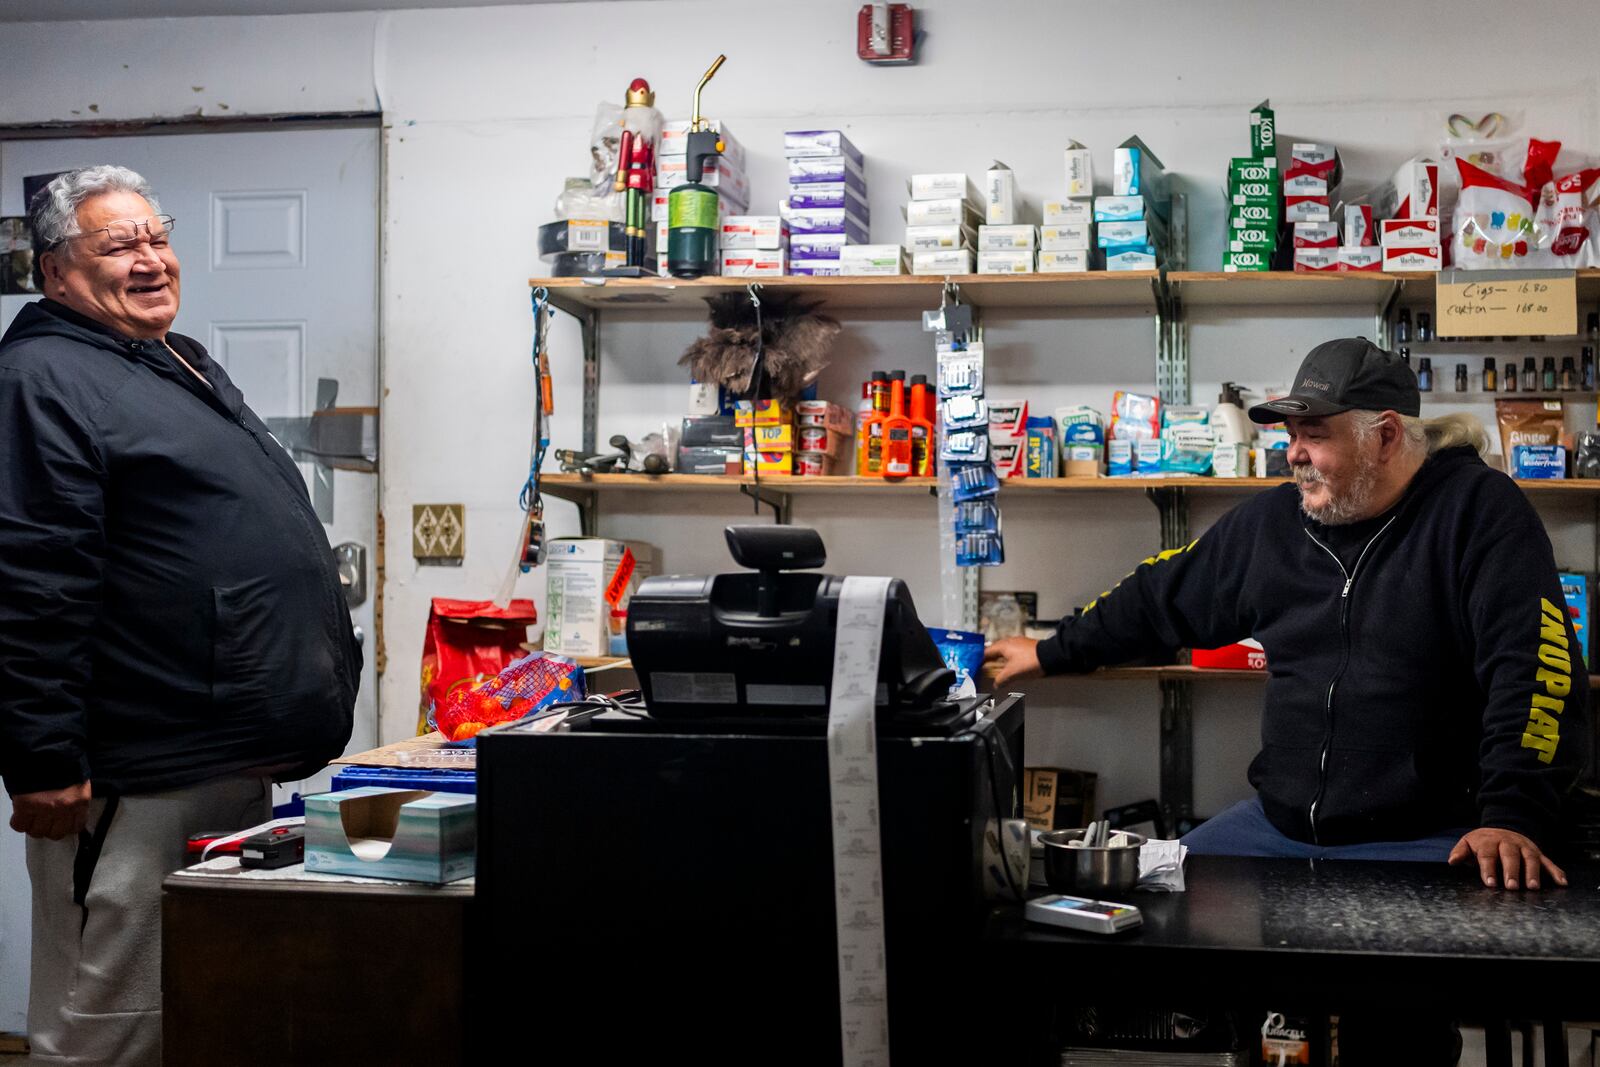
[588, 580]
[408, 835]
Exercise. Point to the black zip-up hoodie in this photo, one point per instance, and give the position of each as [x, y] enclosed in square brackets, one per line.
[1436, 683]
[170, 610]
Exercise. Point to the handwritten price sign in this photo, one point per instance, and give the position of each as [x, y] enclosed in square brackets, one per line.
[1507, 303]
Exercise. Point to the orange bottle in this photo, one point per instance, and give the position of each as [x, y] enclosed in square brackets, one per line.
[922, 430]
[871, 445]
[897, 448]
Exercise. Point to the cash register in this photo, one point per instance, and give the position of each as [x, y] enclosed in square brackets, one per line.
[663, 876]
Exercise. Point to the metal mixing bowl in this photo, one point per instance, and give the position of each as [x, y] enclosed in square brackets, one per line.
[1090, 872]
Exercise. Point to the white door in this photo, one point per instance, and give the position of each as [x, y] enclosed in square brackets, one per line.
[277, 234]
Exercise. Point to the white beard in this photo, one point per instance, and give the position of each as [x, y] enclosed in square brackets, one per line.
[1345, 507]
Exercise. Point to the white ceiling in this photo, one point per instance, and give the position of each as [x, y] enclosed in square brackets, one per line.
[74, 10]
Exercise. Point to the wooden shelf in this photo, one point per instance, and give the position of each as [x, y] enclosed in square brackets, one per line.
[568, 486]
[1091, 289]
[1287, 288]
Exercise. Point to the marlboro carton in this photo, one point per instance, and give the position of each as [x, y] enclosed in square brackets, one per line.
[1068, 212]
[1367, 257]
[1409, 233]
[1358, 226]
[1306, 209]
[1305, 185]
[1316, 235]
[1080, 172]
[1316, 260]
[1412, 193]
[1070, 261]
[1316, 161]
[1424, 257]
[1066, 238]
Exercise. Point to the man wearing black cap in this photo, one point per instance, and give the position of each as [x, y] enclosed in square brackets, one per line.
[1426, 698]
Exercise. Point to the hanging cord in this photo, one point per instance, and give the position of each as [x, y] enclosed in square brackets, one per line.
[530, 498]
[752, 390]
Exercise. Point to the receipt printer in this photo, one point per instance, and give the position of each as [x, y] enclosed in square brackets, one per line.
[759, 643]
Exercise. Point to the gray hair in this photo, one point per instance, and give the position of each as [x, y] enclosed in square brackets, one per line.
[53, 214]
[1428, 436]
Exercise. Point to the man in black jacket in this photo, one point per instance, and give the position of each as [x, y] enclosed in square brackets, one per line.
[1427, 698]
[172, 632]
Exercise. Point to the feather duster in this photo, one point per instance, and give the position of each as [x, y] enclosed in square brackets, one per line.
[795, 342]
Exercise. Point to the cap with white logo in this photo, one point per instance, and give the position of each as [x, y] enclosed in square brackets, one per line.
[1348, 374]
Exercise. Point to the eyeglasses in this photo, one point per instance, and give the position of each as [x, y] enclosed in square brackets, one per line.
[126, 231]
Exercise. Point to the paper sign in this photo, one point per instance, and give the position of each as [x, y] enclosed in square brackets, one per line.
[1507, 303]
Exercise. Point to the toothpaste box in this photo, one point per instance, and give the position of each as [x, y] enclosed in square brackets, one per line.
[1080, 172]
[1005, 238]
[1364, 258]
[1247, 260]
[1130, 259]
[1119, 458]
[1257, 237]
[1121, 208]
[1263, 131]
[821, 143]
[827, 220]
[945, 211]
[1316, 235]
[675, 140]
[872, 259]
[1000, 195]
[1064, 262]
[1067, 212]
[1306, 209]
[933, 238]
[1424, 257]
[1358, 231]
[1316, 260]
[754, 231]
[1412, 193]
[942, 186]
[753, 263]
[1066, 238]
[1135, 171]
[1409, 233]
[817, 268]
[943, 261]
[1010, 261]
[829, 195]
[806, 170]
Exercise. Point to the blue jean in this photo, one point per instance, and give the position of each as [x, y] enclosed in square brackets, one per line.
[1243, 830]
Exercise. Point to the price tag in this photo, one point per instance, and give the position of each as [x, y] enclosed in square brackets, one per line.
[1507, 303]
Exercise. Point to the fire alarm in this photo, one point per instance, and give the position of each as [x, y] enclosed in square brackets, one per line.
[886, 33]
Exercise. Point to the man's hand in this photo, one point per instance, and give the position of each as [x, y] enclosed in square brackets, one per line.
[1012, 659]
[1505, 851]
[54, 813]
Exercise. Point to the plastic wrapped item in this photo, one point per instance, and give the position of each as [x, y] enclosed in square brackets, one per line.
[523, 688]
[965, 446]
[962, 652]
[1135, 416]
[467, 641]
[966, 412]
[1186, 439]
[977, 516]
[980, 550]
[972, 481]
[579, 234]
[960, 373]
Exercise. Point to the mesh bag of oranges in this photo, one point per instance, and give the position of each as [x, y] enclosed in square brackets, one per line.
[526, 687]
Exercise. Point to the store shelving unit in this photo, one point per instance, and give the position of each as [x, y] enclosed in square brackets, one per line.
[1163, 296]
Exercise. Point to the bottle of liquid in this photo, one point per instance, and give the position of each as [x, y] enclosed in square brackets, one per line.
[1508, 380]
[898, 453]
[930, 415]
[1461, 377]
[1530, 376]
[869, 398]
[921, 428]
[1405, 355]
[1549, 374]
[1425, 375]
[1424, 326]
[1490, 384]
[1230, 426]
[1588, 366]
[1569, 375]
[1402, 327]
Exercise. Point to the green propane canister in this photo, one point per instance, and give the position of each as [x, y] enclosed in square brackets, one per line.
[692, 228]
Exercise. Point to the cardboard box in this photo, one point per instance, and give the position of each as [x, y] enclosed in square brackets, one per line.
[816, 268]
[778, 438]
[1253, 238]
[675, 140]
[863, 260]
[1316, 260]
[408, 835]
[1254, 214]
[761, 413]
[805, 197]
[1316, 235]
[1000, 195]
[754, 231]
[1246, 261]
[1138, 233]
[1008, 419]
[1054, 798]
[1307, 209]
[810, 170]
[1007, 238]
[1263, 131]
[1070, 238]
[1121, 208]
[1367, 257]
[1251, 169]
[814, 247]
[588, 580]
[708, 460]
[1358, 232]
[1130, 259]
[729, 181]
[1575, 591]
[1409, 233]
[947, 211]
[1306, 185]
[1246, 655]
[944, 261]
[1067, 212]
[827, 220]
[1421, 257]
[1009, 457]
[753, 263]
[821, 439]
[1080, 171]
[943, 186]
[1010, 261]
[1412, 193]
[1064, 262]
[934, 238]
[1135, 171]
[798, 143]
[768, 462]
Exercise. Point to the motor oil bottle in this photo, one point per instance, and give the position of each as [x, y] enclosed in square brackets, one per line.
[921, 428]
[868, 460]
[897, 448]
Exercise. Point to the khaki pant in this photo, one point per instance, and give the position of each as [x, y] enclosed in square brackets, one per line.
[96, 979]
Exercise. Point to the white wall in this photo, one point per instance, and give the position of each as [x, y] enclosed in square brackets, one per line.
[487, 110]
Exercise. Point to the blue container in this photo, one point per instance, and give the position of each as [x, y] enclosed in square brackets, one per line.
[962, 651]
[406, 778]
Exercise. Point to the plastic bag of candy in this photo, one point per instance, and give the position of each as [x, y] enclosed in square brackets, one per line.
[524, 688]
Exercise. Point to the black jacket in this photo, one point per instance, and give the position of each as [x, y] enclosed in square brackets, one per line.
[1435, 685]
[169, 606]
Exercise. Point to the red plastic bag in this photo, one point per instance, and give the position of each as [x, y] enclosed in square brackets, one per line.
[468, 641]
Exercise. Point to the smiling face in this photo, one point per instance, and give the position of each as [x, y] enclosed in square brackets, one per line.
[129, 287]
[1335, 468]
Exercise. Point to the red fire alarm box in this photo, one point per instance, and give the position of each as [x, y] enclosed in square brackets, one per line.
[886, 33]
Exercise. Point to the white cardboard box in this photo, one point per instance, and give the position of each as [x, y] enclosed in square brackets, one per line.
[1009, 261]
[579, 574]
[1068, 212]
[1000, 195]
[1068, 262]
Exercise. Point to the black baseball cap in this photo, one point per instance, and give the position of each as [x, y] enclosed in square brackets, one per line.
[1348, 374]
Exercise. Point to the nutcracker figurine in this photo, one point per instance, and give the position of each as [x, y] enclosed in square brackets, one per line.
[636, 175]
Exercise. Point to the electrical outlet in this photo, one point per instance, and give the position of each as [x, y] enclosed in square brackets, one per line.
[439, 534]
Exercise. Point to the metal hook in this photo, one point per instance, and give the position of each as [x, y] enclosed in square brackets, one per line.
[754, 289]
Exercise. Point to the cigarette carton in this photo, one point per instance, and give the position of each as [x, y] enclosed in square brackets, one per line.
[1080, 171]
[933, 238]
[1064, 262]
[1067, 212]
[943, 186]
[1010, 261]
[1364, 258]
[1066, 238]
[1316, 235]
[1316, 260]
[1263, 131]
[1135, 171]
[1358, 226]
[1409, 233]
[1246, 261]
[1307, 209]
[1130, 259]
[943, 261]
[1006, 238]
[942, 212]
[821, 143]
[1424, 257]
[1000, 195]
